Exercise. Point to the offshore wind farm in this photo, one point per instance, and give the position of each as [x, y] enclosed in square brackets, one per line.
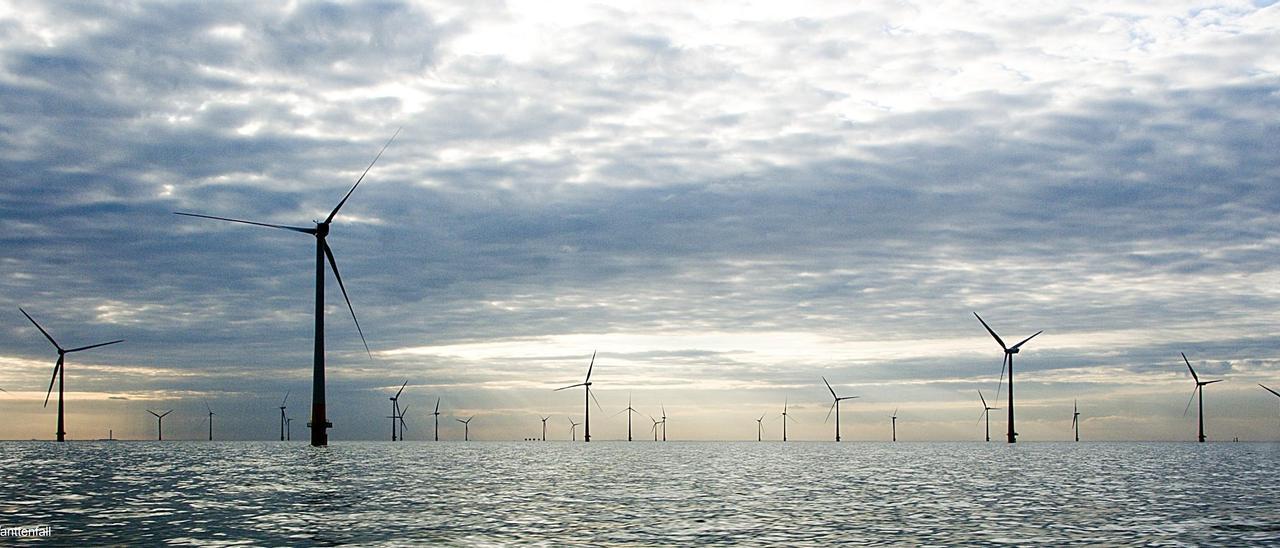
[767, 228]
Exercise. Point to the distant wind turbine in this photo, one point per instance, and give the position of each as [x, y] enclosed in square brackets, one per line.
[573, 430]
[655, 427]
[288, 429]
[664, 423]
[586, 421]
[1009, 351]
[395, 411]
[319, 419]
[629, 411]
[403, 410]
[437, 416]
[544, 427]
[58, 371]
[785, 417]
[160, 423]
[1198, 389]
[986, 412]
[282, 417]
[210, 409]
[466, 428]
[1075, 418]
[760, 427]
[895, 424]
[835, 406]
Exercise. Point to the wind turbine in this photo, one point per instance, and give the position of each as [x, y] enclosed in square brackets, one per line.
[544, 427]
[895, 424]
[655, 427]
[784, 420]
[466, 428]
[573, 430]
[586, 421]
[210, 409]
[986, 412]
[1075, 418]
[282, 418]
[760, 428]
[160, 423]
[288, 429]
[395, 411]
[1199, 388]
[664, 423]
[835, 406]
[319, 419]
[628, 411]
[1009, 351]
[403, 410]
[437, 416]
[58, 371]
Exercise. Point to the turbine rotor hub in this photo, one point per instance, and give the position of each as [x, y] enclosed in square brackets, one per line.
[322, 230]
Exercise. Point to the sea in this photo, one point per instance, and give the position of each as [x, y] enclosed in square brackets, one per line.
[639, 493]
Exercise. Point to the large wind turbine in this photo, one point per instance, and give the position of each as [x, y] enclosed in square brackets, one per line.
[1075, 418]
[466, 428]
[210, 409]
[629, 410]
[760, 427]
[895, 424]
[319, 419]
[395, 411]
[282, 417]
[784, 419]
[664, 423]
[573, 430]
[1199, 388]
[160, 423]
[586, 421]
[58, 371]
[835, 406]
[1009, 351]
[986, 412]
[544, 427]
[437, 416]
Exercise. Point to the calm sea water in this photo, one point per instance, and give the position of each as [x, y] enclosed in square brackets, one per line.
[674, 493]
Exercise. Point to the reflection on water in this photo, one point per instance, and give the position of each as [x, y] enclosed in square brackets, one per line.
[558, 493]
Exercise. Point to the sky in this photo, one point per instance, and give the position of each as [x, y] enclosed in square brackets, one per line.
[728, 201]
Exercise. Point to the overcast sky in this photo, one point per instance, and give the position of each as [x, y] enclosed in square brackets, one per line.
[727, 200]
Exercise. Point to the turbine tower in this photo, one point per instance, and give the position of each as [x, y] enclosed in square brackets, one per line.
[573, 430]
[160, 423]
[283, 420]
[835, 406]
[319, 419]
[586, 421]
[895, 424]
[1198, 389]
[210, 409]
[466, 428]
[1075, 418]
[1009, 351]
[986, 412]
[437, 416]
[395, 411]
[288, 429]
[403, 410]
[655, 427]
[760, 428]
[544, 427]
[784, 419]
[664, 423]
[58, 372]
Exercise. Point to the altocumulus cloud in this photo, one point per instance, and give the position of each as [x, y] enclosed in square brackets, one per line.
[726, 200]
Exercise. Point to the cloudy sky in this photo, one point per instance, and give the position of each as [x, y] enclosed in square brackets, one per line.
[726, 200]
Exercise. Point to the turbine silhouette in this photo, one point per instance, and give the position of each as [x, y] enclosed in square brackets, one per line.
[835, 406]
[58, 371]
[1009, 351]
[1198, 389]
[586, 421]
[986, 409]
[160, 423]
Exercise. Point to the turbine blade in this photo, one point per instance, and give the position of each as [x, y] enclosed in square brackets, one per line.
[1193, 371]
[991, 331]
[1193, 398]
[1000, 385]
[286, 397]
[303, 230]
[437, 405]
[1210, 382]
[42, 331]
[983, 414]
[334, 265]
[570, 386]
[984, 400]
[206, 406]
[829, 411]
[833, 391]
[167, 412]
[153, 413]
[590, 366]
[1015, 347]
[56, 367]
[1269, 390]
[406, 383]
[366, 172]
[93, 346]
[593, 398]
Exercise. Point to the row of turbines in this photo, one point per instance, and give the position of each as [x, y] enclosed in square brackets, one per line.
[320, 425]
